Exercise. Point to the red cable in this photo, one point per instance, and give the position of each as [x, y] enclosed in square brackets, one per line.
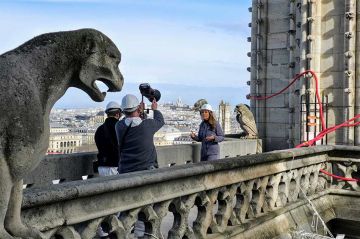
[329, 130]
[339, 177]
[292, 82]
[324, 130]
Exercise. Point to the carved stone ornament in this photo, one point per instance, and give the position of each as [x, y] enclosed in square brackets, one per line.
[32, 78]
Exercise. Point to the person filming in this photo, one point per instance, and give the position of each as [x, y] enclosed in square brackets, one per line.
[136, 136]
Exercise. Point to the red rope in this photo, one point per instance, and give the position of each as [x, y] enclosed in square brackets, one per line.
[339, 177]
[324, 130]
[291, 83]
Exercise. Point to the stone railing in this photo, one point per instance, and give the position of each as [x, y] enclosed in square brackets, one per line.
[219, 199]
[78, 166]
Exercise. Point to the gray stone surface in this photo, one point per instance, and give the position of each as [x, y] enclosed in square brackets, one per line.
[70, 167]
[277, 40]
[62, 168]
[318, 43]
[280, 56]
[32, 78]
[243, 197]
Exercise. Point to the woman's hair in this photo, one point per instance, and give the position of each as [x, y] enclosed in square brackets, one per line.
[212, 120]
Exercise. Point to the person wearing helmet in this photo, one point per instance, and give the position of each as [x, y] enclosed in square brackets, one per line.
[210, 134]
[136, 136]
[106, 141]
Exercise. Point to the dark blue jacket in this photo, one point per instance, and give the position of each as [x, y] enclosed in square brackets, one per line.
[209, 148]
[106, 142]
[137, 151]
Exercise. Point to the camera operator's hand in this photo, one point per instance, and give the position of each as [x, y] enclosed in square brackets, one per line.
[142, 106]
[154, 105]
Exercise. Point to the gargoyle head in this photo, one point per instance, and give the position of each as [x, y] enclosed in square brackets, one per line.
[198, 104]
[101, 60]
[240, 110]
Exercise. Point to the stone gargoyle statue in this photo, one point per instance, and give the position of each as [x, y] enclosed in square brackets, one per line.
[32, 78]
[198, 104]
[246, 120]
[247, 123]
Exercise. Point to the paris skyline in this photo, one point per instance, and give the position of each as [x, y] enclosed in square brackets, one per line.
[187, 49]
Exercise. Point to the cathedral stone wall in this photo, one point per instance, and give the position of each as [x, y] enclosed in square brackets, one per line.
[289, 37]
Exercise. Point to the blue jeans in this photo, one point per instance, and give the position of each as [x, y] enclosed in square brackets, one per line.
[210, 157]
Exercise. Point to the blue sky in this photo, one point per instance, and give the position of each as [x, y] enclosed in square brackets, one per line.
[185, 48]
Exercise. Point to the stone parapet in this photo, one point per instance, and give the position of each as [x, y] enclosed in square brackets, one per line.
[78, 166]
[234, 197]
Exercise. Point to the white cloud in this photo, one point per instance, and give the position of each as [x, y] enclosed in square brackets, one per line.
[155, 50]
[194, 57]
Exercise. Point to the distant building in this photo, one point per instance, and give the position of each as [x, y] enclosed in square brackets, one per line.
[179, 103]
[58, 128]
[178, 106]
[99, 118]
[224, 117]
[166, 135]
[64, 143]
[184, 139]
[88, 135]
[184, 107]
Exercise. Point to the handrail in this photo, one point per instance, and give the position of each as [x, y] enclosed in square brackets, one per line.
[237, 189]
[71, 167]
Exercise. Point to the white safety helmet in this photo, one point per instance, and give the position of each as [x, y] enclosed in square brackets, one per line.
[206, 107]
[129, 103]
[112, 106]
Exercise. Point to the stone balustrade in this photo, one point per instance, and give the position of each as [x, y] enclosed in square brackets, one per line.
[78, 166]
[262, 195]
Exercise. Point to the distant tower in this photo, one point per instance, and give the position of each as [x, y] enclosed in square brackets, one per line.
[224, 117]
[179, 102]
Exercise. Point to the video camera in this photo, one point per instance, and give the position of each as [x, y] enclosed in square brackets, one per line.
[149, 93]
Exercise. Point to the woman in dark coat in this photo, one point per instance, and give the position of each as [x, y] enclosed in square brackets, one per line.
[210, 134]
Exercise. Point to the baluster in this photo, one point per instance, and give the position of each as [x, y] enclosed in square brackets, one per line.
[116, 226]
[346, 169]
[91, 227]
[340, 170]
[113, 223]
[283, 190]
[272, 191]
[150, 218]
[305, 181]
[349, 172]
[314, 174]
[180, 207]
[128, 220]
[161, 209]
[226, 199]
[294, 185]
[205, 218]
[322, 181]
[258, 198]
[244, 213]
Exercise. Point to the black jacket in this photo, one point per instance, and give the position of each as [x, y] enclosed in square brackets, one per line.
[106, 142]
